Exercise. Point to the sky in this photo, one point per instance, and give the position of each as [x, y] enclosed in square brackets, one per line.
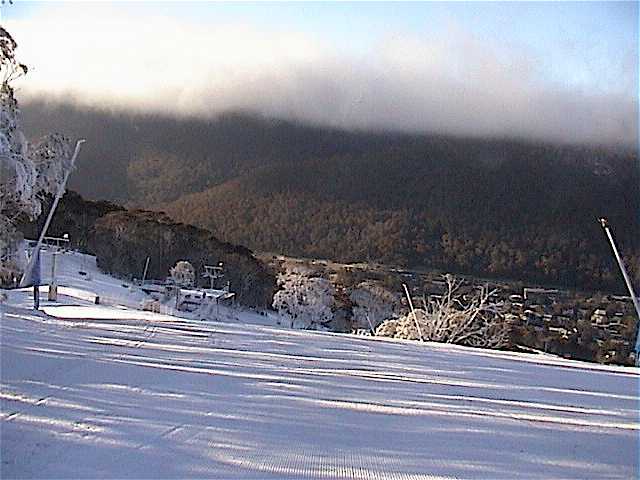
[563, 71]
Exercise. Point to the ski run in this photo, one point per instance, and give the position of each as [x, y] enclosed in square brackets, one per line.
[110, 391]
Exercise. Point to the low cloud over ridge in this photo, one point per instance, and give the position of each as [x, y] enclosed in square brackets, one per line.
[453, 83]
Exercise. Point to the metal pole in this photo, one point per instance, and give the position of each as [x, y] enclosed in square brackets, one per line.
[35, 277]
[146, 267]
[413, 312]
[53, 286]
[53, 267]
[373, 332]
[27, 272]
[627, 280]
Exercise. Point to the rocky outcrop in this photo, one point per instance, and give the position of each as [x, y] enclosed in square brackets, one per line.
[122, 240]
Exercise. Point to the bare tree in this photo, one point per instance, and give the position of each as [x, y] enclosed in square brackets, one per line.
[476, 321]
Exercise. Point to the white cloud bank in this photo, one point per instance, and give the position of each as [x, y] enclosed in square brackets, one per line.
[454, 84]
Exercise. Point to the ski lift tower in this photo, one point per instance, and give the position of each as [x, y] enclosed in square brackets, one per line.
[31, 275]
[627, 280]
[53, 284]
[213, 272]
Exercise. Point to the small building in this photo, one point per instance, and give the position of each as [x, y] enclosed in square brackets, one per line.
[539, 295]
[192, 299]
[599, 317]
[562, 332]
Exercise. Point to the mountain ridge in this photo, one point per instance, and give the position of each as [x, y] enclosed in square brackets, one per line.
[511, 208]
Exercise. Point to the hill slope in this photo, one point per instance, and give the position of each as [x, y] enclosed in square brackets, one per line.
[522, 220]
[495, 207]
[123, 239]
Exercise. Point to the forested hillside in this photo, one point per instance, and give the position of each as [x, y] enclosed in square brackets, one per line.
[484, 206]
[518, 219]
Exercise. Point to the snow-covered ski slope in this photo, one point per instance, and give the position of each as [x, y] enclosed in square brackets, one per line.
[114, 393]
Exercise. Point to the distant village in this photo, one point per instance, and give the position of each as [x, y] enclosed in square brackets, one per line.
[596, 327]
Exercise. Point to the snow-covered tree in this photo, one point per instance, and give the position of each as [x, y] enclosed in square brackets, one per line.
[306, 301]
[183, 274]
[27, 172]
[477, 321]
[372, 304]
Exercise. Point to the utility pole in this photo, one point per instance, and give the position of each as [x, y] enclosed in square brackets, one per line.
[627, 280]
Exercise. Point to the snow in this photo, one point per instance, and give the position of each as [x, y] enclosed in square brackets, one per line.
[304, 300]
[102, 391]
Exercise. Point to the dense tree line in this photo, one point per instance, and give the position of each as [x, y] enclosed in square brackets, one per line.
[505, 208]
[122, 240]
[518, 220]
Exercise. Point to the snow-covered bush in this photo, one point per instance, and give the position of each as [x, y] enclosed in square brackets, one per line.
[183, 274]
[372, 304]
[27, 172]
[306, 301]
[477, 321]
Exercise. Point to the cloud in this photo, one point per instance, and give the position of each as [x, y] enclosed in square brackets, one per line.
[454, 83]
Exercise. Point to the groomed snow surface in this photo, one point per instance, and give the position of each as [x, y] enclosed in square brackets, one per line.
[109, 392]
